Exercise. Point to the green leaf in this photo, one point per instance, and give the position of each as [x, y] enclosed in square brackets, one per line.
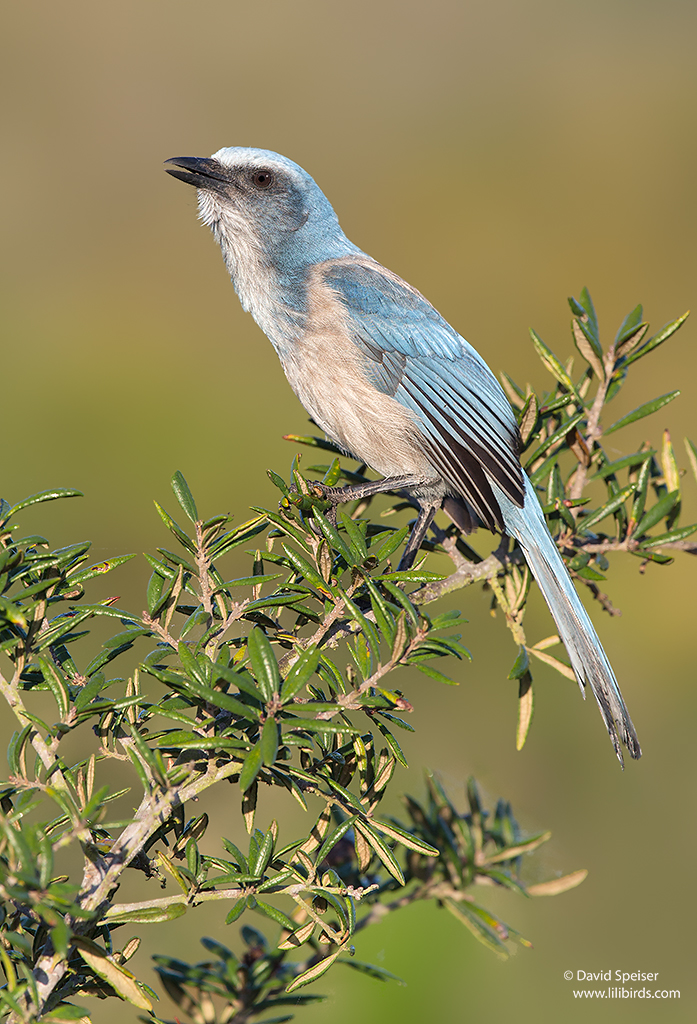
[369, 632]
[588, 346]
[378, 973]
[303, 568]
[558, 885]
[552, 363]
[660, 510]
[145, 915]
[526, 706]
[251, 767]
[405, 838]
[588, 308]
[402, 599]
[313, 973]
[61, 626]
[174, 528]
[652, 556]
[264, 664]
[525, 846]
[258, 863]
[611, 468]
[240, 678]
[98, 570]
[34, 499]
[606, 509]
[411, 576]
[333, 838]
[516, 395]
[521, 664]
[312, 725]
[250, 581]
[586, 572]
[552, 405]
[275, 914]
[667, 538]
[11, 612]
[191, 665]
[269, 741]
[57, 685]
[121, 980]
[90, 690]
[285, 527]
[314, 442]
[392, 743]
[389, 545]
[239, 536]
[527, 418]
[691, 450]
[237, 856]
[333, 475]
[355, 535]
[657, 339]
[193, 690]
[481, 924]
[184, 496]
[558, 435]
[640, 494]
[334, 538]
[278, 481]
[300, 674]
[236, 912]
[440, 677]
[381, 849]
[629, 325]
[65, 1011]
[184, 740]
[642, 410]
[384, 619]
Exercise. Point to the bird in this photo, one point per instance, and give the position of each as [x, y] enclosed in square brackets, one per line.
[387, 378]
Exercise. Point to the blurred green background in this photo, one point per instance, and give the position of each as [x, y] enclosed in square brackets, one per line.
[499, 155]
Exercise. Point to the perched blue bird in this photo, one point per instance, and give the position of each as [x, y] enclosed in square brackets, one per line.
[387, 379]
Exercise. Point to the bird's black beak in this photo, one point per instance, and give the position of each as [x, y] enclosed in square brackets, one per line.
[199, 171]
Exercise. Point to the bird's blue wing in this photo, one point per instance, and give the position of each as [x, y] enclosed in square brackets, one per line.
[411, 353]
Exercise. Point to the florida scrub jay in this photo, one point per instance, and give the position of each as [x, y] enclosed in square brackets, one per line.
[387, 378]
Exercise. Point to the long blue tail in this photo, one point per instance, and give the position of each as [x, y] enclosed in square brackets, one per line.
[576, 630]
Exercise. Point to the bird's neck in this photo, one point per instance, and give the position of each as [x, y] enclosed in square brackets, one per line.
[272, 285]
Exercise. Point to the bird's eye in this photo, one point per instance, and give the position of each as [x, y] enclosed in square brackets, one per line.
[262, 179]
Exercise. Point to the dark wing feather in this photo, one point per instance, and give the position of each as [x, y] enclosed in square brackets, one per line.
[411, 353]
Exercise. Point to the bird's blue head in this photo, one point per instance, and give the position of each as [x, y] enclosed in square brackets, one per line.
[271, 219]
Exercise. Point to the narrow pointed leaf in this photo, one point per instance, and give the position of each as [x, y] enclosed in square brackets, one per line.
[121, 980]
[381, 849]
[275, 915]
[660, 510]
[269, 741]
[641, 411]
[691, 450]
[658, 339]
[314, 972]
[552, 363]
[34, 499]
[300, 674]
[263, 662]
[520, 665]
[405, 838]
[558, 885]
[666, 538]
[607, 509]
[184, 496]
[250, 768]
[526, 706]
